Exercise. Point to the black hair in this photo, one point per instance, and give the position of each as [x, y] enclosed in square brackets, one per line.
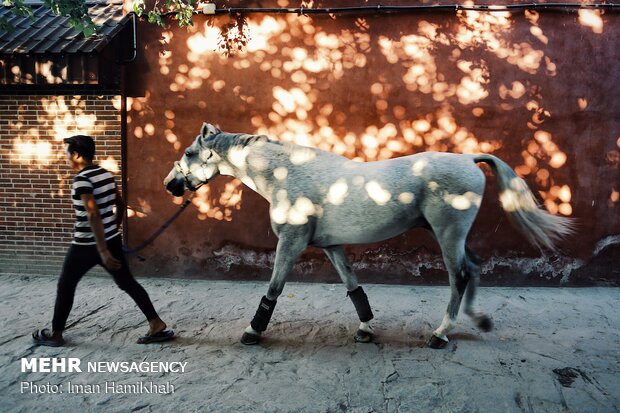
[81, 144]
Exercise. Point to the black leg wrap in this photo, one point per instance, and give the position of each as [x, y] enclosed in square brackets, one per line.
[263, 314]
[360, 301]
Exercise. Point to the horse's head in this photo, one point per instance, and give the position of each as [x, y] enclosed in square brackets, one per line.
[198, 165]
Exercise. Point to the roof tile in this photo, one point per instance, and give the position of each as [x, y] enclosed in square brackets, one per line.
[49, 33]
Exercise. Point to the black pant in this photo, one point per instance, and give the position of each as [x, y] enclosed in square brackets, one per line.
[80, 259]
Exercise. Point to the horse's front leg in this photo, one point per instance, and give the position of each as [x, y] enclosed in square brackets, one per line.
[291, 244]
[338, 258]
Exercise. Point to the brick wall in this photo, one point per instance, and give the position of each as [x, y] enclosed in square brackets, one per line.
[36, 220]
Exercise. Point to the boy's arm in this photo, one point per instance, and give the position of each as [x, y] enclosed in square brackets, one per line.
[96, 225]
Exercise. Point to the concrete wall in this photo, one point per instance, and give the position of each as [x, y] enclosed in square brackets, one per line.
[538, 89]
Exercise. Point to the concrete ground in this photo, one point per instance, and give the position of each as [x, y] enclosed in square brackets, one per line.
[552, 350]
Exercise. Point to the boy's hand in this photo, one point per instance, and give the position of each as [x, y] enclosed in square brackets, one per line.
[109, 261]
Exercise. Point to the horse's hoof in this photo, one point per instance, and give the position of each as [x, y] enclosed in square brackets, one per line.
[485, 323]
[437, 343]
[362, 336]
[250, 339]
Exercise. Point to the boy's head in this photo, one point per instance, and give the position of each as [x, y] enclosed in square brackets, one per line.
[82, 146]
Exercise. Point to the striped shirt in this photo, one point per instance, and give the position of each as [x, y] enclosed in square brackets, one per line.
[100, 183]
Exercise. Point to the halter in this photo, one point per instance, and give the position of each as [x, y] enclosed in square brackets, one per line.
[203, 165]
[188, 184]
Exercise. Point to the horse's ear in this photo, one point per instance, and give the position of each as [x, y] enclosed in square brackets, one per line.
[204, 131]
[208, 130]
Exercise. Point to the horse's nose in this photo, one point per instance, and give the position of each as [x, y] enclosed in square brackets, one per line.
[174, 183]
[176, 187]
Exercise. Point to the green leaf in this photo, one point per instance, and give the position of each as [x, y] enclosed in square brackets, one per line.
[77, 12]
[138, 7]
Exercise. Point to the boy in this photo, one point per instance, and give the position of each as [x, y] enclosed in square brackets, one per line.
[96, 241]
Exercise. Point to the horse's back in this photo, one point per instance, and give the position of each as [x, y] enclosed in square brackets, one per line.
[453, 190]
[373, 201]
[449, 171]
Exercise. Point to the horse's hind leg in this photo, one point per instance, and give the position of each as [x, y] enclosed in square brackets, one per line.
[472, 266]
[452, 242]
[338, 258]
[288, 250]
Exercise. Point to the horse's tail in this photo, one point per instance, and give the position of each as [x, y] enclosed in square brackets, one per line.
[539, 226]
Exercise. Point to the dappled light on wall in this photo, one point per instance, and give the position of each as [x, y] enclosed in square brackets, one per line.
[65, 121]
[110, 164]
[482, 28]
[34, 152]
[38, 154]
[487, 30]
[39, 138]
[219, 206]
[557, 199]
[591, 19]
[614, 197]
[142, 210]
[140, 110]
[295, 61]
[541, 156]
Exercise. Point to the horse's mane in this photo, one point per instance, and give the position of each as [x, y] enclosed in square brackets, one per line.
[223, 141]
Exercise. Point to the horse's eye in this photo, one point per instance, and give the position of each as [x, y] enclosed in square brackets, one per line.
[188, 153]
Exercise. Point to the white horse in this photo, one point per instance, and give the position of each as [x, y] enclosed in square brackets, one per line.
[325, 200]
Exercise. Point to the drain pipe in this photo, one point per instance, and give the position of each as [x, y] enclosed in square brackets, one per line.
[135, 42]
[124, 179]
